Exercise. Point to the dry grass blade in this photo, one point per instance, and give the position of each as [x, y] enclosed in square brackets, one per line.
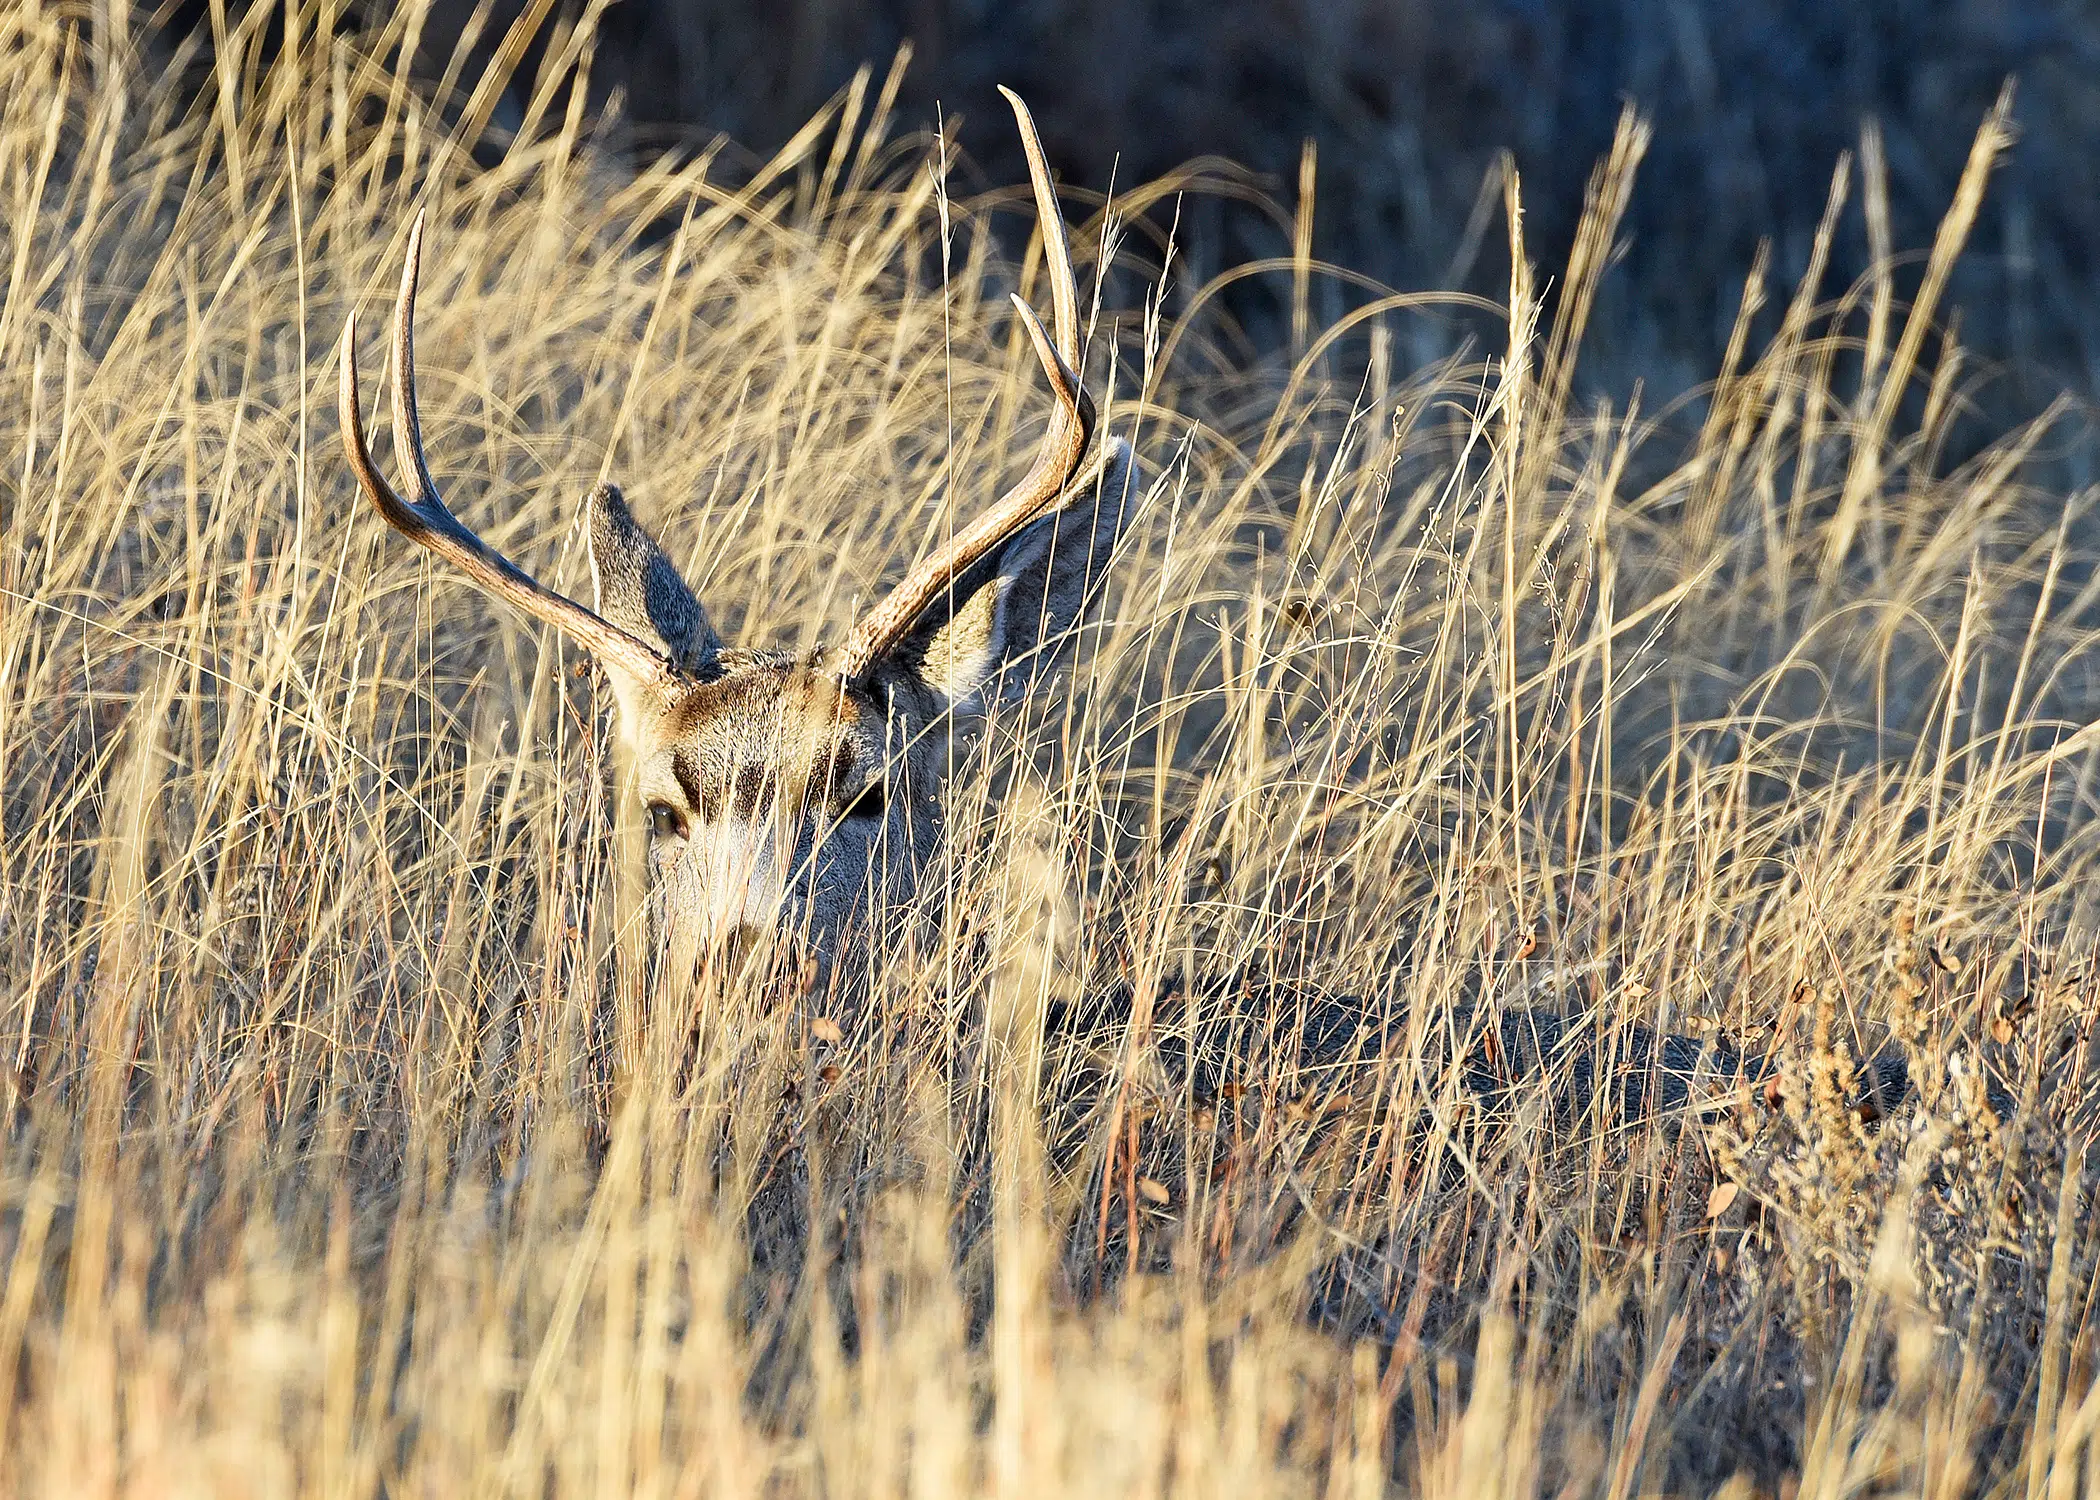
[1418, 1008]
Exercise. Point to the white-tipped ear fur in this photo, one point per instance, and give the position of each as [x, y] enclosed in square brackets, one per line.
[639, 589]
[1014, 610]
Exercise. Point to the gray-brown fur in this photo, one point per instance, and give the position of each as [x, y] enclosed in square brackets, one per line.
[1000, 626]
[639, 588]
[787, 796]
[1501, 1055]
[785, 800]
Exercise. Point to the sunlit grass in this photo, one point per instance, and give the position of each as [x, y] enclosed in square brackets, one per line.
[350, 1151]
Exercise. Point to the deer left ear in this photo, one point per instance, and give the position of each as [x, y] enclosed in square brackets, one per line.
[1003, 625]
[639, 589]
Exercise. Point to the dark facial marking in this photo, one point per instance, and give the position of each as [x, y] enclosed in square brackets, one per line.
[754, 789]
[831, 778]
[689, 783]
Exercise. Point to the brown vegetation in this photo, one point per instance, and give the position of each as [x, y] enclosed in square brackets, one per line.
[347, 1151]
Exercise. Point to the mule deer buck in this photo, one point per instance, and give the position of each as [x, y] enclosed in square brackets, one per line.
[788, 795]
[784, 791]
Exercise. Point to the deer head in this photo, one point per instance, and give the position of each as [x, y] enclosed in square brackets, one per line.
[786, 794]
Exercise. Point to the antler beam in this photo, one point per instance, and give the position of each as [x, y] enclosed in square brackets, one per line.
[427, 520]
[1064, 444]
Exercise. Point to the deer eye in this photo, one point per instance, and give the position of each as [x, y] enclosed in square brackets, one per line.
[666, 821]
[869, 802]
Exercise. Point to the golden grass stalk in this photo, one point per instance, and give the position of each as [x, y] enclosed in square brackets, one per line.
[348, 1150]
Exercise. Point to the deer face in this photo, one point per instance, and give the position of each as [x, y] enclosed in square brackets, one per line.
[778, 803]
[786, 797]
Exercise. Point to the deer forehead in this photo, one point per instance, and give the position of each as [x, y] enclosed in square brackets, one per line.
[764, 723]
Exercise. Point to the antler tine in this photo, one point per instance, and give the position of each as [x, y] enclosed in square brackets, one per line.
[1064, 444]
[427, 520]
[408, 420]
[1057, 249]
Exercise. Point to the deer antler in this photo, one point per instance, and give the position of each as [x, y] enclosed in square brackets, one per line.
[1064, 445]
[426, 519]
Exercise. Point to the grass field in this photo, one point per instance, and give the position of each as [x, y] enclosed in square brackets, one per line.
[349, 1151]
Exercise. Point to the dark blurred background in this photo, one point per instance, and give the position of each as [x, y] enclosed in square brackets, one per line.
[1411, 102]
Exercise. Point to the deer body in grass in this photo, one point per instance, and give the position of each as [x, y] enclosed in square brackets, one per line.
[790, 796]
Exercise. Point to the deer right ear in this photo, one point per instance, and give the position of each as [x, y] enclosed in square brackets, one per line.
[639, 589]
[1003, 623]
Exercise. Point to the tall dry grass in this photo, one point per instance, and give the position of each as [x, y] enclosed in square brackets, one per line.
[1409, 103]
[349, 1150]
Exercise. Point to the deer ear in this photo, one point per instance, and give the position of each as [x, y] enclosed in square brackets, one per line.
[1007, 619]
[637, 588]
